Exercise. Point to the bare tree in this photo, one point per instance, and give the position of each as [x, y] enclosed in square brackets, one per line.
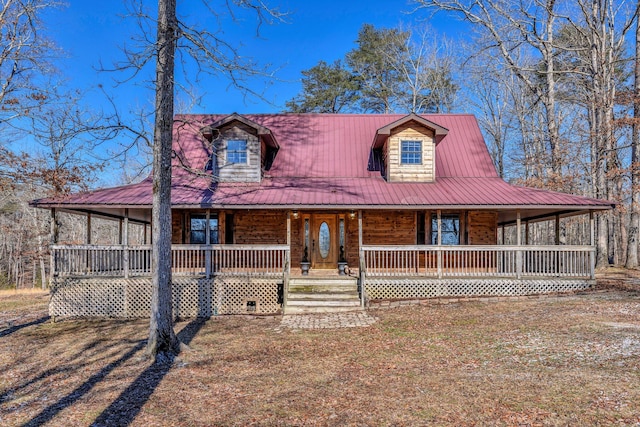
[424, 65]
[163, 342]
[24, 54]
[634, 225]
[212, 55]
[511, 27]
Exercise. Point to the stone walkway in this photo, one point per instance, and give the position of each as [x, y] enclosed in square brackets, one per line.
[326, 321]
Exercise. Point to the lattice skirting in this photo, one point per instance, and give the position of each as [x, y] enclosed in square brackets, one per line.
[379, 288]
[192, 296]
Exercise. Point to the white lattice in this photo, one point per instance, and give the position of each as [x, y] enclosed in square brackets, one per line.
[238, 295]
[87, 297]
[408, 288]
[192, 296]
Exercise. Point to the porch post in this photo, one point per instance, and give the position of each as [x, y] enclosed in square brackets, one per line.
[518, 243]
[288, 253]
[88, 238]
[88, 242]
[362, 270]
[439, 220]
[592, 229]
[54, 240]
[526, 232]
[207, 242]
[592, 243]
[503, 242]
[124, 237]
[557, 230]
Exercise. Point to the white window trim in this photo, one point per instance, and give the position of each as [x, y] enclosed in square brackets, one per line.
[422, 143]
[226, 152]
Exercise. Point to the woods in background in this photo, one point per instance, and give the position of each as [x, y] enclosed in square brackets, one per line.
[555, 87]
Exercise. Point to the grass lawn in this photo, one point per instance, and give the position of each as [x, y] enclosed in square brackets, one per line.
[572, 360]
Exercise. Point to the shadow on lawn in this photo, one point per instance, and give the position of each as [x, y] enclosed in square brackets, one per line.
[126, 407]
[15, 328]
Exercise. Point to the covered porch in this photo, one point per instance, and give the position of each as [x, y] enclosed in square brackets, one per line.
[235, 278]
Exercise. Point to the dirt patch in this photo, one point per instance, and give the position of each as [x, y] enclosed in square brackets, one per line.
[571, 360]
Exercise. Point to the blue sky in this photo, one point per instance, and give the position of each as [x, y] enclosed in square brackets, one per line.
[92, 32]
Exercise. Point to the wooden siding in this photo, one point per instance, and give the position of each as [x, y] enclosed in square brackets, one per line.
[397, 172]
[177, 227]
[260, 227]
[352, 251]
[234, 172]
[482, 228]
[297, 241]
[388, 228]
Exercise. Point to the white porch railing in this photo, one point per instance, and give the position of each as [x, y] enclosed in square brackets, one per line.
[479, 261]
[127, 261]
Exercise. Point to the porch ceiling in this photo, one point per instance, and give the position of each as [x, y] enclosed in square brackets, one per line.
[140, 215]
[509, 217]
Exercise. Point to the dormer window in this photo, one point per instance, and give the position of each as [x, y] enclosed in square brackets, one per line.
[411, 152]
[237, 151]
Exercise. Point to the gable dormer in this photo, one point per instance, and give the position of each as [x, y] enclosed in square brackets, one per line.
[407, 148]
[241, 149]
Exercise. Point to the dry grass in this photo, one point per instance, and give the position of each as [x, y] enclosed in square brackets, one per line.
[557, 361]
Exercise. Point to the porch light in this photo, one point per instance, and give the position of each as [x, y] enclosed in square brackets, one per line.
[295, 214]
[352, 214]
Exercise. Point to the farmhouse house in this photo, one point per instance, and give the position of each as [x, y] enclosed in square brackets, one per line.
[315, 212]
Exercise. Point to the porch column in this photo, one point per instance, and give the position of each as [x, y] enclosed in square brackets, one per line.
[439, 241]
[557, 230]
[526, 232]
[54, 226]
[207, 242]
[362, 264]
[88, 237]
[518, 243]
[592, 229]
[287, 261]
[362, 270]
[124, 237]
[54, 241]
[592, 243]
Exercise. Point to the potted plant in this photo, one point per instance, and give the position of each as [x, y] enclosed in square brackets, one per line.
[305, 264]
[342, 262]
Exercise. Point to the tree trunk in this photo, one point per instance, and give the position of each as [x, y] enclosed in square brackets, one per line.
[634, 224]
[163, 343]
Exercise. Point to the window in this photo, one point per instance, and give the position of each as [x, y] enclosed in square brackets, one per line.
[199, 230]
[450, 225]
[237, 151]
[411, 152]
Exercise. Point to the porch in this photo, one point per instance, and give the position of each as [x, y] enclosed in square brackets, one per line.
[115, 280]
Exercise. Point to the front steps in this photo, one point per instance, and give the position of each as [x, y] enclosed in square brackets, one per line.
[322, 295]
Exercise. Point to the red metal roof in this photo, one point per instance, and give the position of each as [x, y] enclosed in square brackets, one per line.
[323, 162]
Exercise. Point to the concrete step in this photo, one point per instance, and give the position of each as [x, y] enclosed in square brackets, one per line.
[323, 296]
[321, 289]
[312, 281]
[318, 309]
[323, 303]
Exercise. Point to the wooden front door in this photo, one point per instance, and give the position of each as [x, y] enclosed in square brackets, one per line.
[324, 241]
